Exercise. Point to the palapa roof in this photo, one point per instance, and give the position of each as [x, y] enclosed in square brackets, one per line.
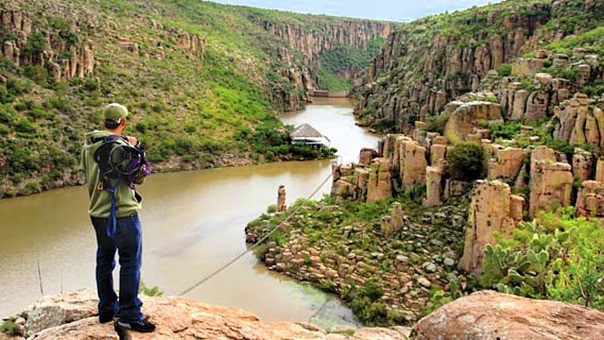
[306, 131]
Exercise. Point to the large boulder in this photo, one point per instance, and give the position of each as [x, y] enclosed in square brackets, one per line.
[493, 209]
[468, 117]
[491, 315]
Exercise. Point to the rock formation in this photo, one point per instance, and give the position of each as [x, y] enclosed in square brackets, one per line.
[491, 315]
[379, 187]
[551, 181]
[493, 209]
[73, 315]
[466, 118]
[590, 200]
[65, 59]
[281, 205]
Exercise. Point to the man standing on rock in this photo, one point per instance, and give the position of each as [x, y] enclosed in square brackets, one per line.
[114, 206]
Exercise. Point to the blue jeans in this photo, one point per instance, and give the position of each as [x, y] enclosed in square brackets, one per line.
[127, 241]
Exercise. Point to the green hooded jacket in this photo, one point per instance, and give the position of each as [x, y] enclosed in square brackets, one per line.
[100, 200]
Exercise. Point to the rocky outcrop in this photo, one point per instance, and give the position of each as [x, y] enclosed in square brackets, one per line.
[580, 122]
[421, 249]
[420, 68]
[506, 163]
[354, 34]
[467, 117]
[379, 187]
[590, 200]
[393, 222]
[434, 186]
[491, 315]
[551, 181]
[28, 45]
[311, 44]
[72, 315]
[493, 209]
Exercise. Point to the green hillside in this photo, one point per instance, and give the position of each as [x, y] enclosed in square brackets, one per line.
[203, 82]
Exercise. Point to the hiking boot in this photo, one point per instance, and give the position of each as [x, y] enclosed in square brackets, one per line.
[104, 318]
[142, 326]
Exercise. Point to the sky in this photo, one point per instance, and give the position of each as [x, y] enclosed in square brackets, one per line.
[392, 10]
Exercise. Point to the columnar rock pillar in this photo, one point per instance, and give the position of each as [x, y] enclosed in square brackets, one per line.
[433, 186]
[281, 206]
[493, 208]
[551, 181]
[379, 187]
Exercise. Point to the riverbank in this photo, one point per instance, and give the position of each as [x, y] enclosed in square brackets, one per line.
[193, 223]
[70, 178]
[387, 273]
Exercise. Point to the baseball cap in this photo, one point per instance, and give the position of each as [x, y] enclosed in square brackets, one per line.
[115, 112]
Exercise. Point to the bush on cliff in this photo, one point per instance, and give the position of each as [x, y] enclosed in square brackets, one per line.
[465, 162]
[554, 257]
[436, 124]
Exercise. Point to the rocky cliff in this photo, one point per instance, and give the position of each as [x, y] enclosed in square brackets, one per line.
[73, 316]
[427, 63]
[325, 48]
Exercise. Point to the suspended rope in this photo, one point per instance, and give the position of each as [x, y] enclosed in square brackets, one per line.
[236, 258]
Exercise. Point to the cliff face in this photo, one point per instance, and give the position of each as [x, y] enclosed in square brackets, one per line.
[308, 44]
[430, 62]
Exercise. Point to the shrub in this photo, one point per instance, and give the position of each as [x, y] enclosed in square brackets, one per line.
[505, 130]
[505, 70]
[149, 291]
[465, 161]
[436, 124]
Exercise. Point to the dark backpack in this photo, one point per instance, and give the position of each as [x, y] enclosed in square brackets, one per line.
[118, 160]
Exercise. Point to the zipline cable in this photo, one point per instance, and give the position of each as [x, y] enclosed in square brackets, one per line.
[235, 259]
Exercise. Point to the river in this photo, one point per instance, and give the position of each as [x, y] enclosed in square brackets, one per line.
[193, 223]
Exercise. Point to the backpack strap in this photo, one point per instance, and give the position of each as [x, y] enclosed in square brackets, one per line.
[112, 222]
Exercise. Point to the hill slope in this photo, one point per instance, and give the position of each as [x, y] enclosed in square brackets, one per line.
[203, 81]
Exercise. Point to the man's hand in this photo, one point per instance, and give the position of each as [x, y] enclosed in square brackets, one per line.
[132, 140]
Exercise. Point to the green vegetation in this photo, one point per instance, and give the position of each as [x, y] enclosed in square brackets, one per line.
[436, 124]
[323, 225]
[505, 70]
[345, 59]
[149, 291]
[191, 108]
[465, 162]
[554, 257]
[9, 327]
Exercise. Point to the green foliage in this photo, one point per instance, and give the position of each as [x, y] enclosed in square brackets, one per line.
[149, 291]
[436, 124]
[505, 130]
[465, 162]
[554, 257]
[505, 70]
[9, 327]
[35, 45]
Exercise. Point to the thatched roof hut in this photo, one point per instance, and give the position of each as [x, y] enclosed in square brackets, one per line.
[306, 134]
